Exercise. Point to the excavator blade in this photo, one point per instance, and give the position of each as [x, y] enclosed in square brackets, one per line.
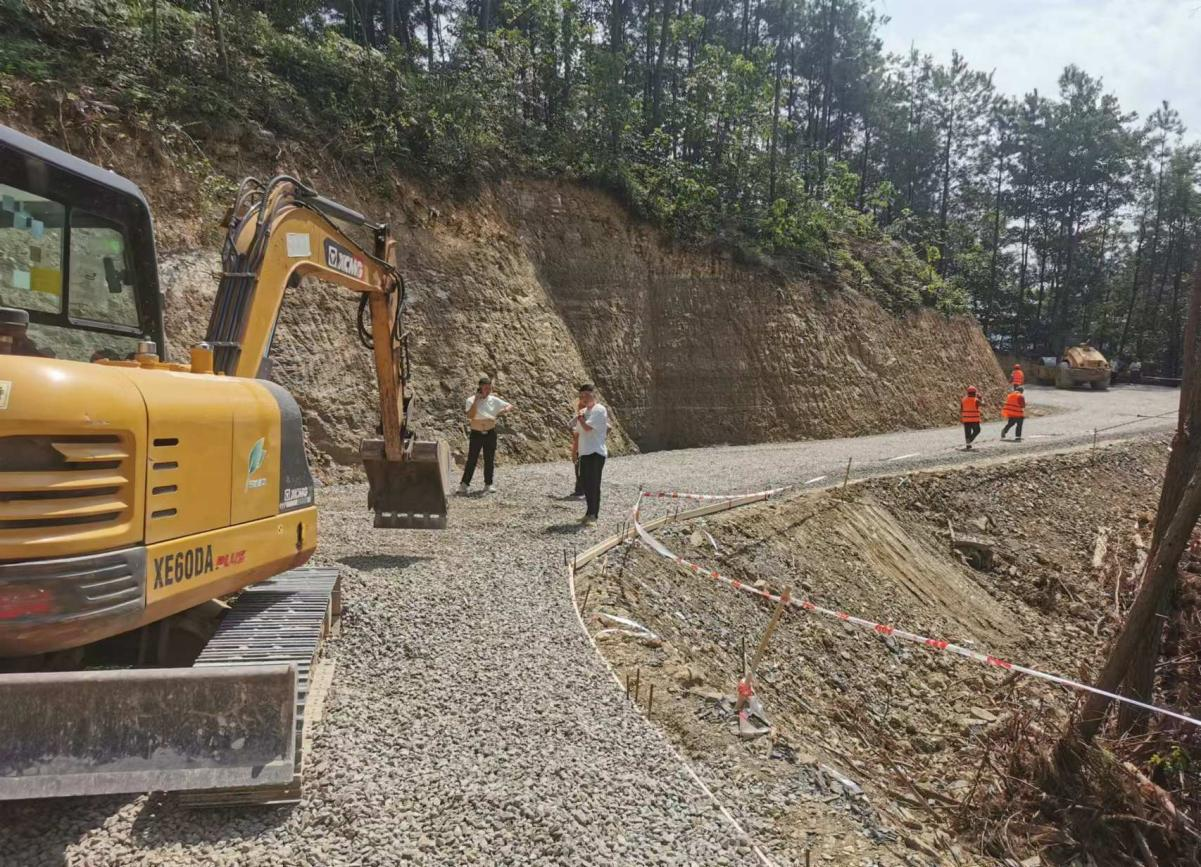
[410, 493]
[111, 731]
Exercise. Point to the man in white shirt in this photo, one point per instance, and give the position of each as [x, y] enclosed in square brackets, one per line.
[592, 425]
[483, 408]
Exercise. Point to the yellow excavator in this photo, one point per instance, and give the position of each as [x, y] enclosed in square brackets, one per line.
[134, 490]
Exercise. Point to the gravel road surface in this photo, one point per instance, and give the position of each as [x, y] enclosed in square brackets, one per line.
[470, 722]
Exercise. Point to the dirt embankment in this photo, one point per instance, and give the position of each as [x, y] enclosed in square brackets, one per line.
[914, 728]
[695, 349]
[543, 285]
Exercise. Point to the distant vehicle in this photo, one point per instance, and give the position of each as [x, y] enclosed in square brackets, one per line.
[1079, 365]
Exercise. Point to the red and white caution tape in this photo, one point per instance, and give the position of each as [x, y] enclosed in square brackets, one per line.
[934, 644]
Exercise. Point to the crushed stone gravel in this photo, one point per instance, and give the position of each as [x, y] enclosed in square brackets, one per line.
[470, 722]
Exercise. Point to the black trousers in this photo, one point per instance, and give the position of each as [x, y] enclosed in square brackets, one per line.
[591, 467]
[579, 480]
[971, 430]
[478, 441]
[1011, 423]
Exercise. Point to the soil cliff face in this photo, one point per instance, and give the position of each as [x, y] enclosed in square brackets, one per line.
[693, 349]
[543, 285]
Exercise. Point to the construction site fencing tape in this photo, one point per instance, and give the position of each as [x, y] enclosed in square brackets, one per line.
[933, 644]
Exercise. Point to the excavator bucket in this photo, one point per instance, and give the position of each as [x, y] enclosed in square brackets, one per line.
[410, 493]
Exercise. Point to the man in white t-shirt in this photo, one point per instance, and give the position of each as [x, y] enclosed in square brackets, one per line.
[592, 425]
[483, 409]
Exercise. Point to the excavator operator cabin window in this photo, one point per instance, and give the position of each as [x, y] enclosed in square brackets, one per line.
[31, 251]
[101, 279]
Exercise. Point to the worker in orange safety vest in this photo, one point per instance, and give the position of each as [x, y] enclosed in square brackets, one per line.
[1015, 411]
[969, 414]
[1017, 377]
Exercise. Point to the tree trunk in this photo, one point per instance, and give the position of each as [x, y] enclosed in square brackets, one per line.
[864, 165]
[657, 79]
[1134, 655]
[219, 35]
[1102, 279]
[827, 91]
[487, 17]
[775, 124]
[944, 204]
[429, 35]
[1157, 587]
[746, 18]
[996, 241]
[1138, 258]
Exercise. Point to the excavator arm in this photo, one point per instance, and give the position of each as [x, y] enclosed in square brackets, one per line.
[281, 231]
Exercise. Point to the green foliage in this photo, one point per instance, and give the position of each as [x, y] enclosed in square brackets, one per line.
[779, 130]
[1175, 760]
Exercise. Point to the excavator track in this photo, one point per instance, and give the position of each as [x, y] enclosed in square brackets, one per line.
[228, 729]
[284, 619]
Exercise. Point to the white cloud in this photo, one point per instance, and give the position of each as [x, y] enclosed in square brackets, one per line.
[1146, 51]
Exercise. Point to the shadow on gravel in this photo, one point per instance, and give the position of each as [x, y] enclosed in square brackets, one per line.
[163, 822]
[564, 529]
[29, 836]
[380, 562]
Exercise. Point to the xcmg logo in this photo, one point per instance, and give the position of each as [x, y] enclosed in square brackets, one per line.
[343, 261]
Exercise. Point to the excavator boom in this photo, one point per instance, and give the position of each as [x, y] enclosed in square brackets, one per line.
[281, 231]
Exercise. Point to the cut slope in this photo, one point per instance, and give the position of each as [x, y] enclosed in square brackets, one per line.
[542, 285]
[694, 349]
[914, 728]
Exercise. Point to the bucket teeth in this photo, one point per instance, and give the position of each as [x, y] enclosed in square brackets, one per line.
[410, 493]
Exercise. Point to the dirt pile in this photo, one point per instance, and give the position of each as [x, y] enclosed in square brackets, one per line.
[852, 710]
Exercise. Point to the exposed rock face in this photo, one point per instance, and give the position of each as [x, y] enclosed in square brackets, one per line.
[695, 350]
[543, 285]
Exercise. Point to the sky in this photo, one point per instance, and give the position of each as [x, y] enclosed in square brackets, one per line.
[1144, 50]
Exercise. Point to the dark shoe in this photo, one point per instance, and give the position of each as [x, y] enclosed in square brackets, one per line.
[968, 447]
[1017, 439]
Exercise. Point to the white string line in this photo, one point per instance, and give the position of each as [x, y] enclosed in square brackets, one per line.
[742, 832]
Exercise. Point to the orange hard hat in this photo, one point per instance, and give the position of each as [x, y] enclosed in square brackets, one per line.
[1017, 367]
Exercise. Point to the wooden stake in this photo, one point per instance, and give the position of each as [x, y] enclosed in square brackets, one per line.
[847, 477]
[637, 683]
[785, 597]
[627, 685]
[584, 604]
[650, 702]
[742, 641]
